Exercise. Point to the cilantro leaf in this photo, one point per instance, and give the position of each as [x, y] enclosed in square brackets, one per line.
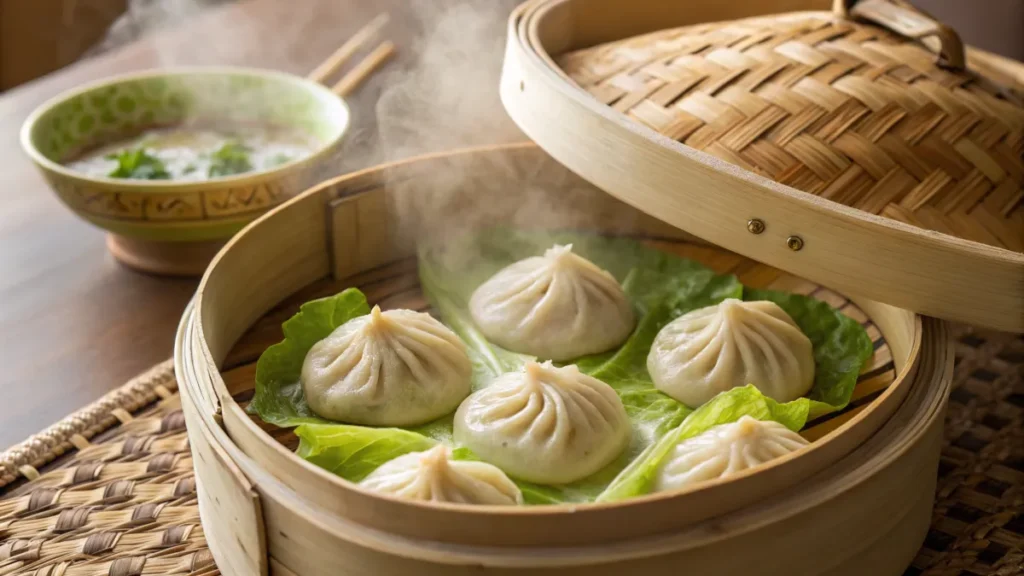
[231, 158]
[137, 164]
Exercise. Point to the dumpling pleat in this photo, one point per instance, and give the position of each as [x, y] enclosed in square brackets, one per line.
[718, 354]
[579, 304]
[699, 466]
[730, 344]
[583, 413]
[433, 476]
[566, 425]
[552, 426]
[776, 346]
[517, 412]
[757, 356]
[542, 302]
[387, 368]
[557, 306]
[725, 450]
[605, 408]
[406, 353]
[701, 352]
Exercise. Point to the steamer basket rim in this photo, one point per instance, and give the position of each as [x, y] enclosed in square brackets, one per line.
[905, 377]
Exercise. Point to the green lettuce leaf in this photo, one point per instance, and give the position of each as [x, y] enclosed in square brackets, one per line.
[352, 452]
[279, 398]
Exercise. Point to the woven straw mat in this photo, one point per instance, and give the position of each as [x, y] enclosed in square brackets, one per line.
[110, 490]
[847, 111]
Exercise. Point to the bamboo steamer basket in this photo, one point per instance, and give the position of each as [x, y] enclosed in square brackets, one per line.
[857, 502]
[854, 144]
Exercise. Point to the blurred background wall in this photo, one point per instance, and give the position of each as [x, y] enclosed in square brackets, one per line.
[40, 36]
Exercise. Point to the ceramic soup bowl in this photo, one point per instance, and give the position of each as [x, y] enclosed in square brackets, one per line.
[175, 226]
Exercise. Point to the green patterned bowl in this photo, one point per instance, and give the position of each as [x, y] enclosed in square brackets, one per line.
[173, 226]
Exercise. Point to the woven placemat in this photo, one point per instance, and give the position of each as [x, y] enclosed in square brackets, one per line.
[110, 490]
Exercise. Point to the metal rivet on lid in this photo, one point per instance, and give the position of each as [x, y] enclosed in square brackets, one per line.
[755, 225]
[795, 243]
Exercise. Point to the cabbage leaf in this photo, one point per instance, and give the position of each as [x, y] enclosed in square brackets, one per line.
[278, 397]
[352, 452]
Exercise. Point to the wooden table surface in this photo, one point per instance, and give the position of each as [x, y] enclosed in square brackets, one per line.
[73, 323]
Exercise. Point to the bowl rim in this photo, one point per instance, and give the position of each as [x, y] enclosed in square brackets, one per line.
[161, 186]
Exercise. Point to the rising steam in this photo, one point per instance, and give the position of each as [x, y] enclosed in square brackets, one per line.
[447, 99]
[440, 95]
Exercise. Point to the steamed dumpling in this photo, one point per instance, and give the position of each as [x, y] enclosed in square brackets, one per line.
[726, 449]
[732, 344]
[433, 476]
[545, 424]
[394, 368]
[558, 306]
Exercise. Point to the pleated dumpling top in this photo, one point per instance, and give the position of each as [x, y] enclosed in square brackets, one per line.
[432, 476]
[394, 368]
[731, 344]
[558, 306]
[725, 450]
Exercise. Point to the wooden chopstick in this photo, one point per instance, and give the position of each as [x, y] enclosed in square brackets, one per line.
[363, 69]
[343, 53]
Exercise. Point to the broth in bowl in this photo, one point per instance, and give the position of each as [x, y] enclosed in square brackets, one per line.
[188, 153]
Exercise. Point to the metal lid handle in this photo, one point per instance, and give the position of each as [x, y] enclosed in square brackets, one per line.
[904, 19]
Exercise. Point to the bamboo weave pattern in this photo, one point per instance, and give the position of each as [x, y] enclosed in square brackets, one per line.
[123, 504]
[843, 110]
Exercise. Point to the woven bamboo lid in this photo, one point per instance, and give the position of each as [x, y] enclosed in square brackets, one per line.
[874, 107]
